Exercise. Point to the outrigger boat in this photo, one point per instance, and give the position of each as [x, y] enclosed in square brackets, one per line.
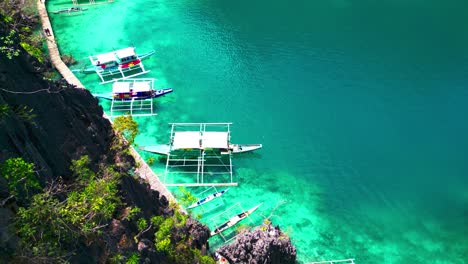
[133, 96]
[124, 62]
[133, 89]
[207, 199]
[233, 221]
[70, 10]
[200, 151]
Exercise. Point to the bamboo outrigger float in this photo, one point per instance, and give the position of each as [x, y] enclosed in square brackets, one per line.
[201, 149]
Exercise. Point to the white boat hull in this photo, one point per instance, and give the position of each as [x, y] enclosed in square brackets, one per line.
[233, 221]
[205, 200]
[241, 148]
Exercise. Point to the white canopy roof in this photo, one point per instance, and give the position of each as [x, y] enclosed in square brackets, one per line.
[127, 52]
[141, 87]
[125, 86]
[186, 139]
[121, 87]
[106, 57]
[190, 139]
[215, 139]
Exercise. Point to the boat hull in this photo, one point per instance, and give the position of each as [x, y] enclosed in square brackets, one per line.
[207, 199]
[70, 10]
[234, 220]
[157, 93]
[234, 148]
[241, 148]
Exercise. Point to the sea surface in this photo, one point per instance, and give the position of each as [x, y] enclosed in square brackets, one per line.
[361, 107]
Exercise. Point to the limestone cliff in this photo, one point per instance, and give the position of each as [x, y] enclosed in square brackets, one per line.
[266, 244]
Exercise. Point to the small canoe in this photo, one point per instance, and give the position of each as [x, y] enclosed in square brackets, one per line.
[207, 199]
[241, 148]
[69, 10]
[233, 221]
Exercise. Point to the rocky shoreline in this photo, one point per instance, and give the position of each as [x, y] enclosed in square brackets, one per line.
[265, 244]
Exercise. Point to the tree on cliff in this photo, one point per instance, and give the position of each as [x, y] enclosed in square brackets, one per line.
[20, 177]
[127, 127]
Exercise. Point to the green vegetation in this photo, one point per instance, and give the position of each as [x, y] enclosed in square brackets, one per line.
[20, 32]
[4, 111]
[81, 170]
[24, 113]
[20, 177]
[32, 45]
[157, 220]
[172, 242]
[126, 126]
[8, 44]
[150, 160]
[89, 209]
[19, 18]
[42, 230]
[186, 198]
[49, 227]
[133, 259]
[131, 213]
[142, 224]
[55, 221]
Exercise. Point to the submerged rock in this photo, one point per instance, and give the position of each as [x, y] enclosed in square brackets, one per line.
[265, 244]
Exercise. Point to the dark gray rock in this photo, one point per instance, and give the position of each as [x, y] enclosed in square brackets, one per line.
[266, 244]
[199, 233]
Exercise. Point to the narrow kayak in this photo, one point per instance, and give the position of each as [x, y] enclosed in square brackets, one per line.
[233, 221]
[207, 199]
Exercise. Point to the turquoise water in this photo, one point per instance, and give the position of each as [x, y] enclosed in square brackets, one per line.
[361, 108]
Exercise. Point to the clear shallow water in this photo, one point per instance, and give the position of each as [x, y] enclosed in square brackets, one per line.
[361, 108]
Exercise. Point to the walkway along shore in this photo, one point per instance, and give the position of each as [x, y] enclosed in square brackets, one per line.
[144, 171]
[53, 49]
